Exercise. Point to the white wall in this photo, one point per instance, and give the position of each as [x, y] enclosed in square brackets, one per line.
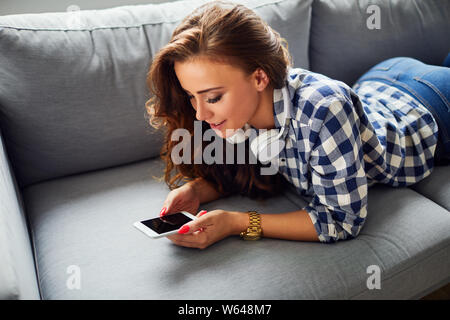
[37, 6]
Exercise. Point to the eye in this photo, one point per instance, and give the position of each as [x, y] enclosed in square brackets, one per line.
[215, 99]
[209, 100]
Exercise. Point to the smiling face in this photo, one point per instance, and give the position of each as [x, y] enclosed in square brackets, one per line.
[233, 98]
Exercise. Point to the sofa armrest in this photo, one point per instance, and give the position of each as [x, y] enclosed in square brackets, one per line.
[18, 278]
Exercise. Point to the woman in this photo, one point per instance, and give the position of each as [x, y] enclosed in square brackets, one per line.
[225, 67]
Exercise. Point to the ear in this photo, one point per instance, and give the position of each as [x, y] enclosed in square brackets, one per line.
[261, 79]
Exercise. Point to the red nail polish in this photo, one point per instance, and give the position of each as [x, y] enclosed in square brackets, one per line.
[202, 213]
[163, 211]
[183, 229]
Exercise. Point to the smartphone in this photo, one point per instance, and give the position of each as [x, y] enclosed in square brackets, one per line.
[164, 226]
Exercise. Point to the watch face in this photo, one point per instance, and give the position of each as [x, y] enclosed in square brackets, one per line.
[252, 236]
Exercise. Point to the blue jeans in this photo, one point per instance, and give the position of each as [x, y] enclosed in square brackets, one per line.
[428, 84]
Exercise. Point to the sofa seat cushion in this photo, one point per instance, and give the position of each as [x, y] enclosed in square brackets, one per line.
[85, 222]
[436, 186]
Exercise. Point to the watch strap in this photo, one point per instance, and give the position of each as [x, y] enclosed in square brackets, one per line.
[254, 231]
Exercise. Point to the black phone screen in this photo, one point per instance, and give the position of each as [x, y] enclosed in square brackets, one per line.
[168, 223]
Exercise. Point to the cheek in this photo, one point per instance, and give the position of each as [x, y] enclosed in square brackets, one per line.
[242, 107]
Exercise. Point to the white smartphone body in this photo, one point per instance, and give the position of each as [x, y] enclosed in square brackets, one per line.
[164, 226]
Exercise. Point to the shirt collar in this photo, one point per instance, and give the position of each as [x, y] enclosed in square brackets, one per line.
[278, 102]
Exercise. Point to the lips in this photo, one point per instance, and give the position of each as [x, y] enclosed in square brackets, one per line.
[217, 126]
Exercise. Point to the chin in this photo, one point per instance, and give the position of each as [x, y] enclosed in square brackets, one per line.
[226, 133]
[221, 134]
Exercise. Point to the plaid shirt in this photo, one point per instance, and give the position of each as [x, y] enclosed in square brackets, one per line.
[341, 140]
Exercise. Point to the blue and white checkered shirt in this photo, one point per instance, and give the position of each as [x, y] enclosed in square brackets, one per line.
[341, 140]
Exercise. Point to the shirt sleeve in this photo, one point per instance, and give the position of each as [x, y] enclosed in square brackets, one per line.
[339, 205]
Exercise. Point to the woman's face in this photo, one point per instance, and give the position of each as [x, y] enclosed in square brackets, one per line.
[220, 92]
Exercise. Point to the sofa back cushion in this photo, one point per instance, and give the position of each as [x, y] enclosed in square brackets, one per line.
[73, 89]
[345, 40]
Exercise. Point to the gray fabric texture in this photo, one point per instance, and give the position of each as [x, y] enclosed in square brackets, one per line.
[343, 47]
[86, 221]
[73, 89]
[17, 269]
[436, 186]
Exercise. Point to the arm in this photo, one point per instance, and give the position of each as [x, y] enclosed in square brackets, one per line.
[339, 206]
[294, 225]
[216, 225]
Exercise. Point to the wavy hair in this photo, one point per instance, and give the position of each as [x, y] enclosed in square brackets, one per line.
[220, 31]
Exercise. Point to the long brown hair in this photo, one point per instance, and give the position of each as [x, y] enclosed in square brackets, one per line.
[225, 32]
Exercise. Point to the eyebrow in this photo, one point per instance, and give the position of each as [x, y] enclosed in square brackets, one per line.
[206, 90]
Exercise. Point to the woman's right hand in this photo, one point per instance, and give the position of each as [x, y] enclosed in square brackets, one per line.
[183, 198]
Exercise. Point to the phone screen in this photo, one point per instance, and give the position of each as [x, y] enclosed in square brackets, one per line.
[167, 223]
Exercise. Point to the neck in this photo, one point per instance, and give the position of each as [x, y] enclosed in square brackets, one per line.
[263, 117]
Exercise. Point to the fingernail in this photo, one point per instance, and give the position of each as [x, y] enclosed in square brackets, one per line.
[202, 213]
[183, 229]
[163, 212]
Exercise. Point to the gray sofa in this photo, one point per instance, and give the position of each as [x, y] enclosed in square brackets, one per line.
[80, 163]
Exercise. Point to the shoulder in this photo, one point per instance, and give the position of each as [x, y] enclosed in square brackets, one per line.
[315, 96]
[316, 86]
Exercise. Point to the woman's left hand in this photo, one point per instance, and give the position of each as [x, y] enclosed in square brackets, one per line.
[208, 228]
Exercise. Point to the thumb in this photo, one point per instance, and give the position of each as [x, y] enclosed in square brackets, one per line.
[193, 226]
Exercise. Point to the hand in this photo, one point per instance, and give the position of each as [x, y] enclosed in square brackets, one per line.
[207, 229]
[183, 198]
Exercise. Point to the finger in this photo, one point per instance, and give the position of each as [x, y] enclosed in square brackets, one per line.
[167, 205]
[189, 237]
[163, 211]
[187, 244]
[192, 226]
[194, 240]
[201, 213]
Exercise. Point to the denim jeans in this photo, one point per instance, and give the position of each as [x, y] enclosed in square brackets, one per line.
[429, 84]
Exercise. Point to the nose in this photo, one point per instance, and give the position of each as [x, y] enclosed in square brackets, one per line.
[202, 111]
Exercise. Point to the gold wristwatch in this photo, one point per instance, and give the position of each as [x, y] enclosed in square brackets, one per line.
[254, 231]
